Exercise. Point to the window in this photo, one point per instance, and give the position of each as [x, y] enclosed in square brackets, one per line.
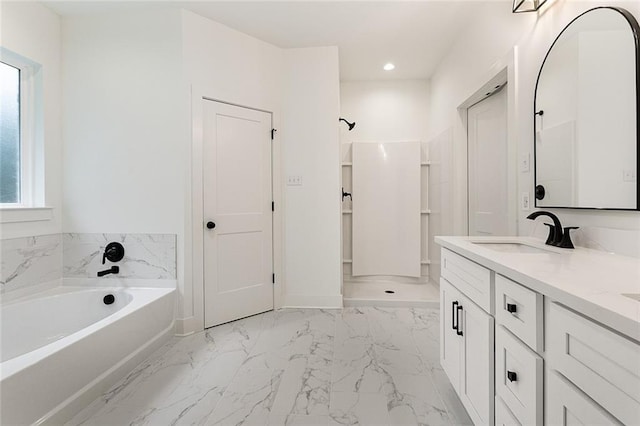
[21, 138]
[10, 149]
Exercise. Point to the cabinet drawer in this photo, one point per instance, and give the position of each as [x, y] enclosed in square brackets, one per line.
[519, 377]
[520, 310]
[603, 364]
[504, 416]
[470, 278]
[567, 405]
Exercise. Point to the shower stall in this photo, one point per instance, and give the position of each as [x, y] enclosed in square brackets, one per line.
[385, 218]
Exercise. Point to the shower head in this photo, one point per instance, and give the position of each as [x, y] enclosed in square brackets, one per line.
[351, 125]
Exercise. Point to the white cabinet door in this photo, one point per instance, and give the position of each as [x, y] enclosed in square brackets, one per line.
[519, 377]
[504, 416]
[599, 362]
[567, 405]
[477, 366]
[450, 342]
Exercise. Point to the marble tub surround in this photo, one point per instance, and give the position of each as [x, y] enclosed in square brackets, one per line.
[588, 281]
[292, 367]
[30, 262]
[147, 256]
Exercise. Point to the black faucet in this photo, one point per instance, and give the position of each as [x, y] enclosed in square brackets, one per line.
[113, 270]
[556, 236]
[555, 230]
[114, 252]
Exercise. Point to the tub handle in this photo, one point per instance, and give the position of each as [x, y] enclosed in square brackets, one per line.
[114, 252]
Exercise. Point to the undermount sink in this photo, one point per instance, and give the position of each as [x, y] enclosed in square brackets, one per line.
[511, 247]
[634, 296]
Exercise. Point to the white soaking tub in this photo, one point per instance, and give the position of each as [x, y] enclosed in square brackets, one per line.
[62, 348]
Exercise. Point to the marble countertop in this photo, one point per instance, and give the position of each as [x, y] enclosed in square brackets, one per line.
[588, 281]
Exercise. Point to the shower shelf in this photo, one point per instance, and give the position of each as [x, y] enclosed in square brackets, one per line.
[425, 163]
[347, 261]
[347, 211]
[347, 164]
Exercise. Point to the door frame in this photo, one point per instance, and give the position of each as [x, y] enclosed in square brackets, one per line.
[503, 72]
[194, 229]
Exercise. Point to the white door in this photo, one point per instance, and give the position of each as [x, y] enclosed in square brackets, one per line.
[237, 224]
[477, 365]
[488, 174]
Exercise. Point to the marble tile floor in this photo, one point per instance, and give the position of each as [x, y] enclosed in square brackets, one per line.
[354, 366]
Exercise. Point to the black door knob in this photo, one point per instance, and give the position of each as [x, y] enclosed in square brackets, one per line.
[512, 376]
[211, 225]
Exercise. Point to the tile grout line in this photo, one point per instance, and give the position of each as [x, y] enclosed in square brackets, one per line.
[234, 374]
[430, 375]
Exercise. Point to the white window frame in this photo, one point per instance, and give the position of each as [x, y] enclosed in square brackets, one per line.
[32, 192]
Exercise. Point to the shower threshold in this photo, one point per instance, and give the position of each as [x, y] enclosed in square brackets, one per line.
[391, 294]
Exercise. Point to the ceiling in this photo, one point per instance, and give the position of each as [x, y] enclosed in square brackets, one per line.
[414, 35]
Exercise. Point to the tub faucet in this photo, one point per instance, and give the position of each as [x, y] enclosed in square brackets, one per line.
[113, 270]
[555, 230]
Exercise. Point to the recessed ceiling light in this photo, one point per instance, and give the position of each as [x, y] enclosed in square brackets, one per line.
[389, 66]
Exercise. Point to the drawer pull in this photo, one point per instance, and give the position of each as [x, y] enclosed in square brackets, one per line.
[512, 376]
[454, 326]
[458, 331]
[512, 307]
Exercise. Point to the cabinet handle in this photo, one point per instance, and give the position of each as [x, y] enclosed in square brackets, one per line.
[512, 376]
[512, 307]
[458, 331]
[454, 326]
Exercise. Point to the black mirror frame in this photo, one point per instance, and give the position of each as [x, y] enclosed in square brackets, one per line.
[635, 29]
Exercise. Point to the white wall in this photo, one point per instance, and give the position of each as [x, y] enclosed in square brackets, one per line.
[311, 106]
[33, 31]
[126, 124]
[128, 136]
[474, 59]
[384, 110]
[226, 65]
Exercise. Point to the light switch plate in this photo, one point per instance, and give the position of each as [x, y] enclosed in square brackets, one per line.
[524, 163]
[294, 180]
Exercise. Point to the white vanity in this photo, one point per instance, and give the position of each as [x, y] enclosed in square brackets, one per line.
[533, 334]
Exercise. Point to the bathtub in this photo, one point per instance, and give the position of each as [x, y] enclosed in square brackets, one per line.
[64, 347]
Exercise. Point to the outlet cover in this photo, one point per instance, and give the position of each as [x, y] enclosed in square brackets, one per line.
[525, 201]
[629, 175]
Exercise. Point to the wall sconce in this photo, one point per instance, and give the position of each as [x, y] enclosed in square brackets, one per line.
[520, 6]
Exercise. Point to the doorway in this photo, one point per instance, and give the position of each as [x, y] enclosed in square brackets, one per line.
[488, 165]
[237, 212]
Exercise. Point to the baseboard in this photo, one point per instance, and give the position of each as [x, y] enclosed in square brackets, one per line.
[307, 301]
[185, 326]
[101, 384]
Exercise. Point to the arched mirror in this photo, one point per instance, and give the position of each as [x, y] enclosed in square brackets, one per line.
[587, 109]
